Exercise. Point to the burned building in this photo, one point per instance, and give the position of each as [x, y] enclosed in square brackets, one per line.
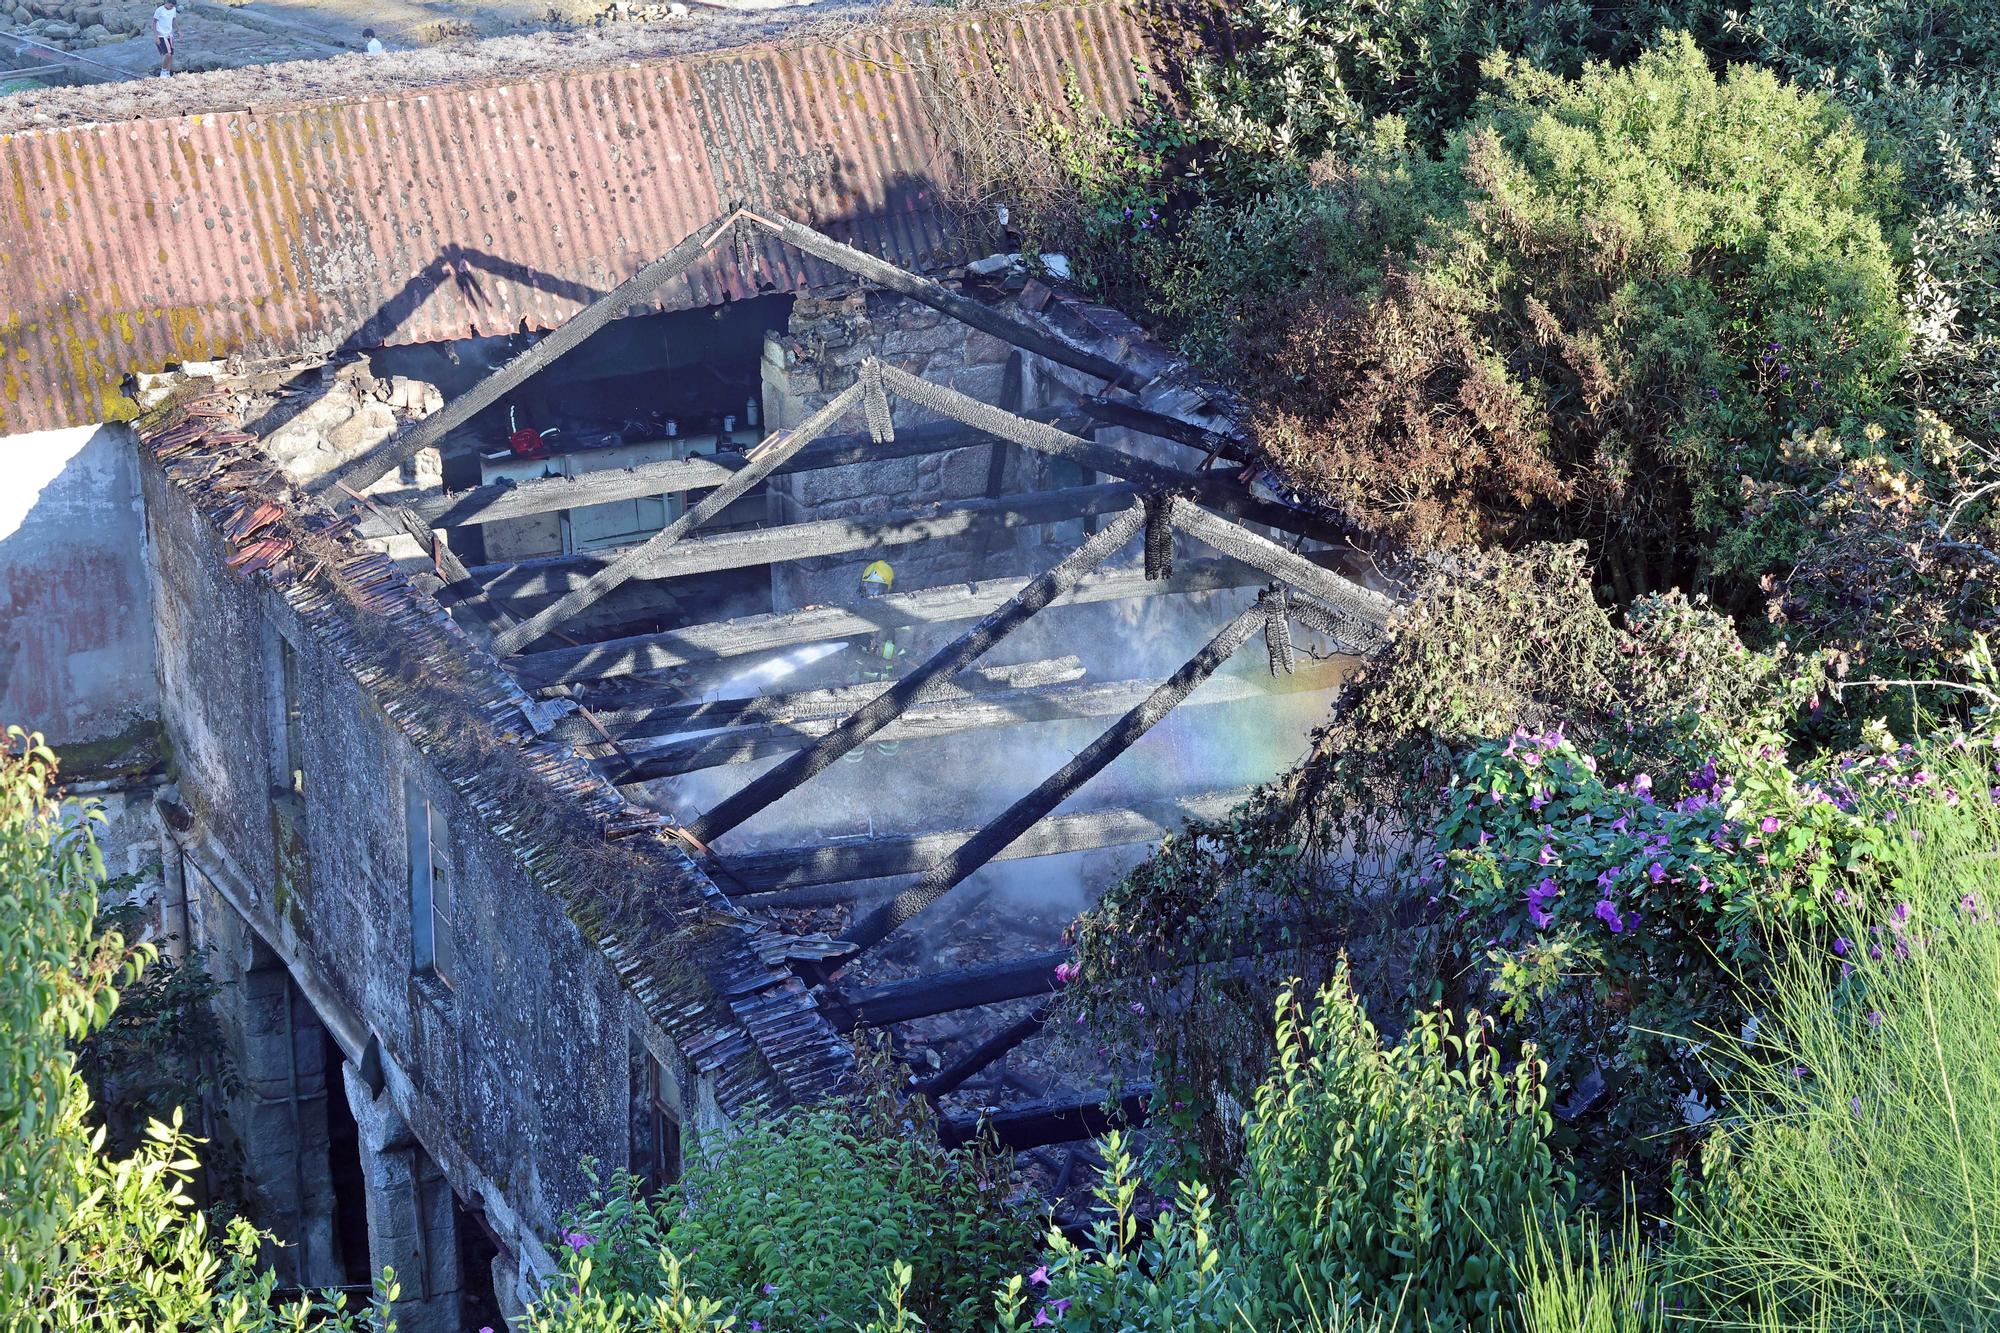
[537, 761]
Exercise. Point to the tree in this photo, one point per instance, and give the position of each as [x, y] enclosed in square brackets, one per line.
[88, 1242]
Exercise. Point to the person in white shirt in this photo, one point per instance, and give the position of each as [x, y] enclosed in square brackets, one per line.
[374, 47]
[163, 34]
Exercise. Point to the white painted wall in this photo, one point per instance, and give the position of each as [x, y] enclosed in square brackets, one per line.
[76, 635]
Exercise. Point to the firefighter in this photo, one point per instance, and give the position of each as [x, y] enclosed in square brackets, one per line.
[882, 655]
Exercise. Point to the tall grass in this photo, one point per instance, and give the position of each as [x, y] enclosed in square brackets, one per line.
[1857, 1185]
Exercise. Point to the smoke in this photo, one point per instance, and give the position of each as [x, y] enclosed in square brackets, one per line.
[962, 781]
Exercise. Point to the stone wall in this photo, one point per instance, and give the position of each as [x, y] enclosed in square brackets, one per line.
[830, 334]
[520, 1068]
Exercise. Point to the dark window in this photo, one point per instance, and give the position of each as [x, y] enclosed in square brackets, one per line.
[430, 888]
[292, 771]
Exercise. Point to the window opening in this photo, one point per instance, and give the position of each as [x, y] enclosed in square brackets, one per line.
[430, 888]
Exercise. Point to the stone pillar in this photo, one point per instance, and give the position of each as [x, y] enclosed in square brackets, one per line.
[276, 1119]
[412, 1217]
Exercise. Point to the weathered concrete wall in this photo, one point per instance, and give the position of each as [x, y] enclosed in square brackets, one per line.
[519, 1069]
[76, 643]
[816, 358]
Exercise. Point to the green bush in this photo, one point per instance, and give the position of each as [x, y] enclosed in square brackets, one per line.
[1405, 1178]
[795, 1223]
[86, 1242]
[1648, 275]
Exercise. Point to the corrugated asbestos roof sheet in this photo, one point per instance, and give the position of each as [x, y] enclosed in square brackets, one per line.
[485, 209]
[685, 953]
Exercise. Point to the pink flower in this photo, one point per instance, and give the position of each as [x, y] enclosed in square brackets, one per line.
[576, 1240]
[1066, 973]
[1769, 824]
[1042, 1319]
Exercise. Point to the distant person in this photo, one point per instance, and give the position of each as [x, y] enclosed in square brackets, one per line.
[374, 47]
[163, 34]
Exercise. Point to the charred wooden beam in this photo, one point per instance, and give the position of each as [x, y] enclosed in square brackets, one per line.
[1361, 612]
[1053, 1120]
[503, 500]
[646, 713]
[1093, 759]
[947, 711]
[959, 307]
[359, 473]
[779, 446]
[1218, 492]
[954, 603]
[773, 879]
[1148, 422]
[953, 1076]
[542, 575]
[943, 992]
[946, 663]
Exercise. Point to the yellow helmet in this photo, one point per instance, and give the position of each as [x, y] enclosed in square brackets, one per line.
[878, 578]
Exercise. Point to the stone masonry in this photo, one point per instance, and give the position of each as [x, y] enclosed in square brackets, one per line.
[828, 337]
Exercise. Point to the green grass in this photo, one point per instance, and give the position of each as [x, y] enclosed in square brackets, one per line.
[1857, 1186]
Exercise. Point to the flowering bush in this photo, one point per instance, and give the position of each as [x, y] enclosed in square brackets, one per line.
[1624, 916]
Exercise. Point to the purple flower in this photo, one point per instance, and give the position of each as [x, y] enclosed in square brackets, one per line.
[1798, 1071]
[1604, 878]
[1547, 856]
[1656, 872]
[1644, 782]
[1538, 898]
[1138, 1008]
[1042, 1319]
[1769, 824]
[1874, 1018]
[1854, 1104]
[576, 1240]
[756, 1327]
[1841, 946]
[1608, 914]
[1040, 1277]
[770, 1290]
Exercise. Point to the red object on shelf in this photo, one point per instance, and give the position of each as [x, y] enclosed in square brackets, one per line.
[526, 444]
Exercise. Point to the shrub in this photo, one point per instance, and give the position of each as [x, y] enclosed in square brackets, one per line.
[1623, 914]
[1400, 1178]
[1648, 275]
[1857, 1175]
[793, 1224]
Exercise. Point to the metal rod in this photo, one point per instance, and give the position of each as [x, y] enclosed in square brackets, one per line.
[948, 662]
